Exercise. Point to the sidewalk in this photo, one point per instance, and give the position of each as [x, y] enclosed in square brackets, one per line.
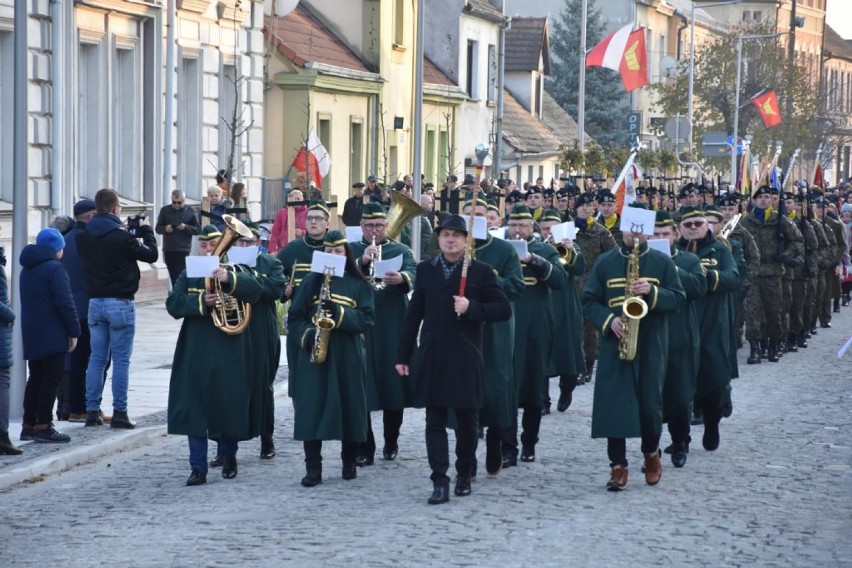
[150, 369]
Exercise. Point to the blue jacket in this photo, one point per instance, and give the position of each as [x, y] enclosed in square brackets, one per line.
[48, 316]
[73, 263]
[7, 316]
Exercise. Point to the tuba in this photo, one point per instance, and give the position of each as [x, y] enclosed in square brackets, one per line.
[633, 309]
[402, 210]
[323, 321]
[229, 314]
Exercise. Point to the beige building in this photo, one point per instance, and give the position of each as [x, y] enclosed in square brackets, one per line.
[837, 105]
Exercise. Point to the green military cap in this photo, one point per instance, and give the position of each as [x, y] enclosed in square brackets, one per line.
[373, 210]
[714, 211]
[253, 227]
[550, 215]
[334, 238]
[521, 212]
[208, 233]
[480, 201]
[319, 205]
[687, 212]
[664, 219]
[493, 206]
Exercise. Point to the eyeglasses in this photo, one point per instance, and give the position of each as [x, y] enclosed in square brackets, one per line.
[693, 224]
[177, 202]
[315, 218]
[374, 226]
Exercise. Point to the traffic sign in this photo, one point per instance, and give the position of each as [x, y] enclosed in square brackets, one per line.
[729, 142]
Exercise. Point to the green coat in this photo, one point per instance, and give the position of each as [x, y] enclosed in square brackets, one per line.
[715, 319]
[263, 332]
[498, 339]
[386, 390]
[566, 347]
[683, 359]
[211, 386]
[295, 260]
[621, 386]
[534, 323]
[329, 400]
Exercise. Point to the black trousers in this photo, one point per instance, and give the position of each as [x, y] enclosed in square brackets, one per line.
[392, 421]
[40, 392]
[72, 395]
[530, 422]
[616, 448]
[437, 444]
[175, 262]
[313, 453]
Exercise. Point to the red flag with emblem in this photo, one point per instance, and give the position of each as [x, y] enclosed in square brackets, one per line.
[766, 104]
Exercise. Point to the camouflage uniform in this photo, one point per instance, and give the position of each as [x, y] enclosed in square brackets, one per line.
[824, 261]
[802, 275]
[749, 308]
[834, 232]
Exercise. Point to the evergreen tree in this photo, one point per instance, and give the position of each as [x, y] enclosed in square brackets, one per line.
[606, 100]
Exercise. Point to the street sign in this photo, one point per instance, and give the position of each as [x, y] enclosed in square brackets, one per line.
[729, 143]
[677, 129]
[713, 144]
[634, 124]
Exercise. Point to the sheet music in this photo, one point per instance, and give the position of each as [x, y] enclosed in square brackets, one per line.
[562, 231]
[246, 256]
[520, 247]
[480, 226]
[354, 234]
[201, 266]
[382, 267]
[320, 261]
[661, 245]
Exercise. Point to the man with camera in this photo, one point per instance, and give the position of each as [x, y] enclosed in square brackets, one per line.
[177, 223]
[110, 253]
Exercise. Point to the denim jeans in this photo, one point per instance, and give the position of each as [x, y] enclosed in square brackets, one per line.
[198, 451]
[112, 325]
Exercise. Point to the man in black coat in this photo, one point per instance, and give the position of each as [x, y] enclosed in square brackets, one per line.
[177, 223]
[449, 359]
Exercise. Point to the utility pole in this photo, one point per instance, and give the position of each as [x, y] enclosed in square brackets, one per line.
[791, 56]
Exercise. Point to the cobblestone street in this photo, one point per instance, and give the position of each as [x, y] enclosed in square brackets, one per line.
[776, 493]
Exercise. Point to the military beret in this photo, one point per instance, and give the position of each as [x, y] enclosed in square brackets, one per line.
[562, 193]
[547, 192]
[584, 199]
[550, 215]
[820, 202]
[762, 190]
[688, 189]
[641, 190]
[773, 190]
[727, 200]
[714, 211]
[637, 205]
[514, 196]
[701, 189]
[373, 210]
[664, 219]
[785, 195]
[533, 190]
[689, 212]
[208, 233]
[605, 196]
[521, 212]
[502, 182]
[334, 238]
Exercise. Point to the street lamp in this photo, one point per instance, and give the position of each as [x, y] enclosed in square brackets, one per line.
[737, 99]
[692, 57]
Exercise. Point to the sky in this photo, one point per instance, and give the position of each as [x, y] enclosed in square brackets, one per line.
[838, 15]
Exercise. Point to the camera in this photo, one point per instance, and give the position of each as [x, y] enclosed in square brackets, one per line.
[133, 223]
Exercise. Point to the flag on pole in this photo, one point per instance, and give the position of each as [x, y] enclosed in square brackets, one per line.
[625, 193]
[313, 159]
[766, 104]
[623, 51]
[775, 178]
[818, 177]
[744, 183]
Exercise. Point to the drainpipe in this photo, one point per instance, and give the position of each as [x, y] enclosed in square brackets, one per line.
[58, 82]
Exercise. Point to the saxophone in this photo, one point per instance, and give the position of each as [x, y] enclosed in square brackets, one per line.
[323, 321]
[633, 309]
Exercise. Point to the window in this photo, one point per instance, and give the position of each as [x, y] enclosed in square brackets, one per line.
[757, 16]
[399, 23]
[356, 150]
[127, 131]
[324, 133]
[443, 156]
[92, 174]
[429, 160]
[189, 176]
[530, 175]
[7, 102]
[492, 73]
[473, 69]
[746, 15]
[229, 103]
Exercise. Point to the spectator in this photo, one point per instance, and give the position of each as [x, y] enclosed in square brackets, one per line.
[177, 223]
[49, 329]
[110, 254]
[213, 207]
[237, 203]
[7, 318]
[280, 227]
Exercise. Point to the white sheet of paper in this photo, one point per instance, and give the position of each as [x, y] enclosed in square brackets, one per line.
[565, 230]
[661, 245]
[354, 234]
[388, 265]
[201, 266]
[498, 232]
[320, 261]
[480, 226]
[520, 247]
[243, 255]
[637, 219]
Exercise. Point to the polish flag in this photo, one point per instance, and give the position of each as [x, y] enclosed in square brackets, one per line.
[625, 193]
[623, 51]
[313, 159]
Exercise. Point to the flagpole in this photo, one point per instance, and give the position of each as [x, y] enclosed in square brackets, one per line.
[581, 95]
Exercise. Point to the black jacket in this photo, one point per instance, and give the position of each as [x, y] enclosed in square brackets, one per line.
[180, 241]
[352, 211]
[110, 254]
[449, 366]
[7, 316]
[73, 263]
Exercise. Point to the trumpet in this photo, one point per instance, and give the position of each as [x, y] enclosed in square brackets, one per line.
[376, 282]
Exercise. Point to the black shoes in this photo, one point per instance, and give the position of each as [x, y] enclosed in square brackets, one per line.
[564, 401]
[229, 468]
[545, 409]
[792, 343]
[711, 436]
[349, 471]
[312, 478]
[362, 461]
[267, 447]
[120, 420]
[50, 435]
[527, 454]
[196, 478]
[825, 325]
[93, 418]
[7, 447]
[462, 487]
[217, 461]
[389, 453]
[441, 493]
[509, 460]
[27, 433]
[802, 341]
[679, 452]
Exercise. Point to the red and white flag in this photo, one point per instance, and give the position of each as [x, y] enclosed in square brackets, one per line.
[623, 51]
[625, 193]
[313, 159]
